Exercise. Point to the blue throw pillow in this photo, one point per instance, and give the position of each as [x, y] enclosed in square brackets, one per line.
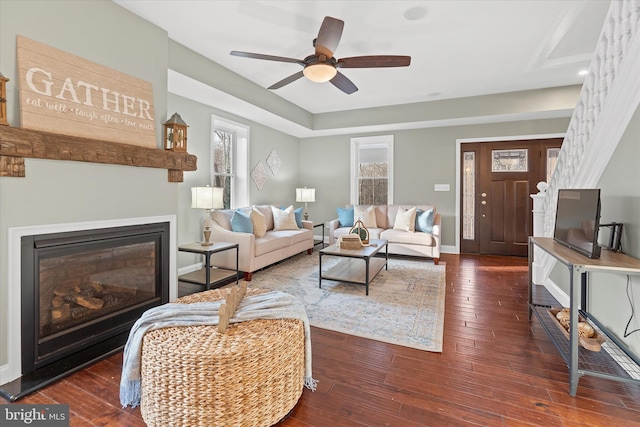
[298, 214]
[345, 216]
[424, 221]
[241, 222]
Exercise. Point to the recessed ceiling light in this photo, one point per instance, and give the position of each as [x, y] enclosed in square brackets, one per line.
[583, 72]
[415, 13]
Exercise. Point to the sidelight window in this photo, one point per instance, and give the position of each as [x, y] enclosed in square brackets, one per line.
[552, 159]
[468, 195]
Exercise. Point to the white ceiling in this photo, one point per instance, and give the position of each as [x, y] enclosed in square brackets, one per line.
[458, 48]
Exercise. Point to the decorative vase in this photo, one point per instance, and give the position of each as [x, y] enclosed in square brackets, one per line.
[361, 231]
[207, 236]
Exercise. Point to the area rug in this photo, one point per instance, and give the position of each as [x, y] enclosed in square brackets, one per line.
[405, 305]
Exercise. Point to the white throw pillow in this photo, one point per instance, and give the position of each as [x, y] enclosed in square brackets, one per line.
[405, 219]
[366, 214]
[284, 219]
[259, 223]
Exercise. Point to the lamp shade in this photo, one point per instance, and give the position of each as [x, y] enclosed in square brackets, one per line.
[305, 194]
[320, 72]
[207, 197]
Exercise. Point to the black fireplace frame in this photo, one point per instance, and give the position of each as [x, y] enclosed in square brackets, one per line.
[38, 370]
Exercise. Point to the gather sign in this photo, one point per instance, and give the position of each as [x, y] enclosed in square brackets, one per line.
[65, 94]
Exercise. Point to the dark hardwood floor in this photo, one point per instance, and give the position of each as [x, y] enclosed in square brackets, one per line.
[496, 369]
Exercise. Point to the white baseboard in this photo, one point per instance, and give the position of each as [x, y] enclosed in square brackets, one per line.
[447, 249]
[190, 268]
[5, 374]
[557, 293]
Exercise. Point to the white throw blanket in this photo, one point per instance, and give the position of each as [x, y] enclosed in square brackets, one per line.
[268, 305]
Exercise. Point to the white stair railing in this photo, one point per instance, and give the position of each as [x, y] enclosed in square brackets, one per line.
[609, 97]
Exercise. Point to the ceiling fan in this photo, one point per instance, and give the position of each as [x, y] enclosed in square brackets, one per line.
[322, 66]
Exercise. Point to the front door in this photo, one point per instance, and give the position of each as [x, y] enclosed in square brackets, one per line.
[497, 217]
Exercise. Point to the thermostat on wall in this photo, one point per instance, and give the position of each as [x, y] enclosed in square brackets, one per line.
[441, 187]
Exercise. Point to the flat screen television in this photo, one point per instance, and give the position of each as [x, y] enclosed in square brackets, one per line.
[578, 220]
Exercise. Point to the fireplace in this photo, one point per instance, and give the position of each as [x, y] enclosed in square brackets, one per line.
[81, 291]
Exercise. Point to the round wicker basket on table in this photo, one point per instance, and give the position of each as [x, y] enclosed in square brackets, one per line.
[251, 375]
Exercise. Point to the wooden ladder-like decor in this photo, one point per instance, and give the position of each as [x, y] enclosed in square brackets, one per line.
[228, 308]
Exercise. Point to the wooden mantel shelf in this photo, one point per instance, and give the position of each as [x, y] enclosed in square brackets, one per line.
[16, 144]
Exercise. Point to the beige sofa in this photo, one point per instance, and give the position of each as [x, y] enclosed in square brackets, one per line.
[258, 252]
[400, 241]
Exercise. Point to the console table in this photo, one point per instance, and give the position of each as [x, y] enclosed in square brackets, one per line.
[579, 267]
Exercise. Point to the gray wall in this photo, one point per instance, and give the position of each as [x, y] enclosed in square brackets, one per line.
[620, 196]
[422, 158]
[278, 189]
[103, 32]
[58, 191]
[477, 107]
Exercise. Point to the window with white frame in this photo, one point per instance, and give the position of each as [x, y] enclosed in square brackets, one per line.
[372, 170]
[229, 161]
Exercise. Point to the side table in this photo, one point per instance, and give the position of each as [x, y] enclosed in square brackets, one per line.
[317, 242]
[208, 276]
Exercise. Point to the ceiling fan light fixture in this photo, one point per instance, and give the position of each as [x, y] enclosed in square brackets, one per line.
[320, 73]
[322, 66]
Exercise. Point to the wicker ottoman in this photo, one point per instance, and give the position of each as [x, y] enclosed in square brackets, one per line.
[252, 375]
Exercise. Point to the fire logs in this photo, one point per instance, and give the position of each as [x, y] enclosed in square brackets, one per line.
[84, 296]
[72, 305]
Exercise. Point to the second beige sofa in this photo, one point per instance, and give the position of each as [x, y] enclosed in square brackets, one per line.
[401, 241]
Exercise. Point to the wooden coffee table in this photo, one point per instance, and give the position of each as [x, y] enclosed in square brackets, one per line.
[357, 266]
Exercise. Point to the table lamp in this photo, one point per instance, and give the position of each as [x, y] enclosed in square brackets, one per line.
[207, 198]
[305, 195]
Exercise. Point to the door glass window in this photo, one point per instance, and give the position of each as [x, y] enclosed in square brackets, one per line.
[468, 195]
[509, 160]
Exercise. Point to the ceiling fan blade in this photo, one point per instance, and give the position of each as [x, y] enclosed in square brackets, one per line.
[329, 36]
[292, 78]
[343, 83]
[266, 57]
[374, 61]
